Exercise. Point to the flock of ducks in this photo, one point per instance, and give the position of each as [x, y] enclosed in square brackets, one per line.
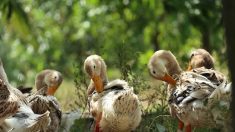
[27, 112]
[198, 97]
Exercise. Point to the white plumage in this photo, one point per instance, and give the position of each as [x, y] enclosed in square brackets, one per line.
[119, 107]
[26, 121]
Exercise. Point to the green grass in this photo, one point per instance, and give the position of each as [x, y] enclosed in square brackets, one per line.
[66, 95]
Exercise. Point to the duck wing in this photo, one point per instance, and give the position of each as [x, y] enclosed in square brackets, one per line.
[27, 122]
[8, 106]
[40, 104]
[199, 84]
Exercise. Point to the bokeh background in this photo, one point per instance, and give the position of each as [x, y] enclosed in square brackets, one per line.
[60, 34]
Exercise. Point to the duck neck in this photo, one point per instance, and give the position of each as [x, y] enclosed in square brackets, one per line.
[103, 73]
[3, 75]
[172, 65]
[174, 69]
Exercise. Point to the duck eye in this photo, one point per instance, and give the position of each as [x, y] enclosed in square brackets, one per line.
[192, 54]
[154, 72]
[94, 67]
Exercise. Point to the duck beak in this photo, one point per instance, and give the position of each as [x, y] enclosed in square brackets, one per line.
[189, 67]
[167, 78]
[99, 87]
[51, 90]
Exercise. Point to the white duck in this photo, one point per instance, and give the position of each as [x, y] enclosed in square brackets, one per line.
[114, 105]
[194, 95]
[16, 115]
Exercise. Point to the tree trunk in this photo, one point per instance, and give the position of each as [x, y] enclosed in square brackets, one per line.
[154, 41]
[229, 23]
[206, 40]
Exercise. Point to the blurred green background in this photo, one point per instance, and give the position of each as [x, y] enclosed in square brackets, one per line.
[60, 34]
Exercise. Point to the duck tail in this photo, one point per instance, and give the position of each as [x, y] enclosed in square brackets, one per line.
[221, 96]
[44, 117]
[41, 122]
[227, 92]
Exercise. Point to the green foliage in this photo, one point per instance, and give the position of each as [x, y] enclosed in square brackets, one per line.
[81, 88]
[81, 125]
[54, 34]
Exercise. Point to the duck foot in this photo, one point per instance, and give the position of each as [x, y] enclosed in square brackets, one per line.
[180, 126]
[188, 128]
[97, 124]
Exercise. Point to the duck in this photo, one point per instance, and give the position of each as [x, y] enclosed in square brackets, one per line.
[113, 104]
[194, 96]
[16, 115]
[47, 82]
[200, 58]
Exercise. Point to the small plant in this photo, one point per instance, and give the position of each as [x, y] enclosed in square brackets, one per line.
[155, 115]
[83, 123]
[81, 86]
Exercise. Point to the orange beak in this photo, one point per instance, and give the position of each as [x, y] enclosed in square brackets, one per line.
[167, 78]
[189, 67]
[99, 87]
[51, 90]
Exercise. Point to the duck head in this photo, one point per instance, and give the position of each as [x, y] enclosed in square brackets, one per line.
[95, 67]
[163, 65]
[51, 79]
[200, 58]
